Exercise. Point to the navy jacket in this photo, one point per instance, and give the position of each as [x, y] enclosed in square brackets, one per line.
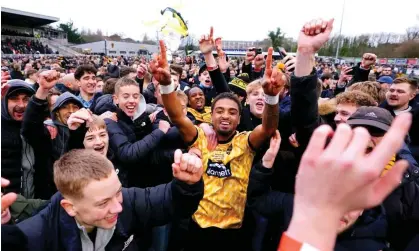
[103, 104]
[132, 145]
[53, 229]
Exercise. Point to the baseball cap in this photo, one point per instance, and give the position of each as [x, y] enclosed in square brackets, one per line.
[385, 79]
[371, 116]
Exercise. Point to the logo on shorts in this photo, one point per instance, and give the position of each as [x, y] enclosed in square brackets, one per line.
[218, 169]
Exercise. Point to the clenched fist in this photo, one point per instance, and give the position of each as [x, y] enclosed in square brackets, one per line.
[314, 35]
[368, 60]
[48, 79]
[187, 167]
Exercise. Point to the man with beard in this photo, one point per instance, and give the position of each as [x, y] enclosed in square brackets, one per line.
[220, 213]
[34, 130]
[18, 159]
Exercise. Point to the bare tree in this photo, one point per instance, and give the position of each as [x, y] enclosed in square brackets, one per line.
[412, 33]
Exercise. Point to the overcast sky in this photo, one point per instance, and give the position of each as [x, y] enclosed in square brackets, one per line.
[229, 18]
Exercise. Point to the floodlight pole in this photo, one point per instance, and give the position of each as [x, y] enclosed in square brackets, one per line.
[340, 30]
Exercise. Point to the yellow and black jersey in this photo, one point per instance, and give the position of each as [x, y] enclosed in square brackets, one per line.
[226, 176]
[389, 165]
[204, 117]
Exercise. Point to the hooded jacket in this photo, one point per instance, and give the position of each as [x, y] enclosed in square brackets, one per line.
[367, 234]
[53, 229]
[11, 141]
[38, 136]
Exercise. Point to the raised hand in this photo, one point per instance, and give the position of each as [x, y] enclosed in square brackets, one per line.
[346, 177]
[314, 35]
[250, 55]
[344, 74]
[206, 43]
[210, 135]
[77, 118]
[259, 61]
[222, 62]
[141, 71]
[368, 59]
[187, 167]
[219, 45]
[289, 61]
[270, 155]
[48, 79]
[159, 66]
[273, 80]
[6, 201]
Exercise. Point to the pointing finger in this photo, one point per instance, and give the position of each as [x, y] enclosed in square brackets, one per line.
[211, 33]
[269, 61]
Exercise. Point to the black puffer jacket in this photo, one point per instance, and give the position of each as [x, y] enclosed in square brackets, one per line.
[47, 149]
[53, 229]
[11, 142]
[103, 104]
[132, 145]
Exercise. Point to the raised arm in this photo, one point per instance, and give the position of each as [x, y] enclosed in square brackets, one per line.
[206, 45]
[304, 107]
[259, 195]
[273, 81]
[160, 70]
[33, 128]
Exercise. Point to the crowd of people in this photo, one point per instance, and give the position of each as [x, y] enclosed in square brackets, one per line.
[22, 46]
[11, 32]
[209, 153]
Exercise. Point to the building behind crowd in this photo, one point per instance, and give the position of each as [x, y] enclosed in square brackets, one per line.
[19, 23]
[114, 48]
